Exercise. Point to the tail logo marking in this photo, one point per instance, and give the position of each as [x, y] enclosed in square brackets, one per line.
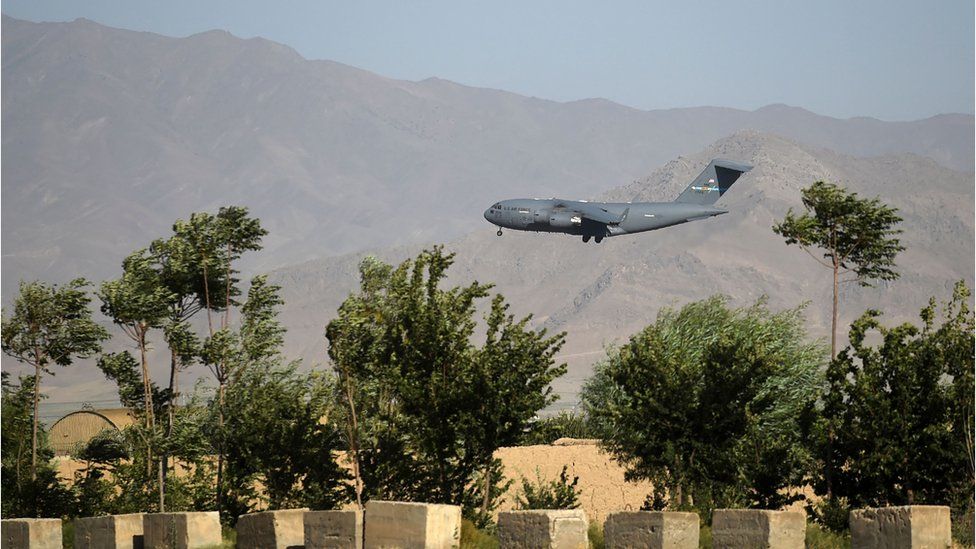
[707, 188]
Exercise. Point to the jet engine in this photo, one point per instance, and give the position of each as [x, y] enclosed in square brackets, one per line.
[565, 220]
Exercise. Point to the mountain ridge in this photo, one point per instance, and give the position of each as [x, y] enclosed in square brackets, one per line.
[111, 135]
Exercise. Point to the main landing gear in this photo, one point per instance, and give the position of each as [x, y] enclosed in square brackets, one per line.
[597, 239]
[499, 233]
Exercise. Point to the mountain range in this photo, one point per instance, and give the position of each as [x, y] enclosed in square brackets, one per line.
[110, 135]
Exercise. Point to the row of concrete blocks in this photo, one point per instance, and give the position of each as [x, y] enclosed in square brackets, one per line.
[418, 525]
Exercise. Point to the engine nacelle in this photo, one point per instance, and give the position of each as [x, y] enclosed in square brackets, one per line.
[565, 220]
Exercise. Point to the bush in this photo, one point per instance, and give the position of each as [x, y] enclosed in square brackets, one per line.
[556, 494]
[962, 527]
[565, 424]
[831, 513]
[818, 538]
[595, 535]
[473, 537]
[705, 537]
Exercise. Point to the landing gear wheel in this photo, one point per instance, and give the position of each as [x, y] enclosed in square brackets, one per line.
[586, 238]
[499, 233]
[599, 239]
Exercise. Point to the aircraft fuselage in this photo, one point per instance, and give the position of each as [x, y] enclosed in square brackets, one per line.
[560, 216]
[598, 220]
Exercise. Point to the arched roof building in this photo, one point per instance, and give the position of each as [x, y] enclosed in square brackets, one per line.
[73, 431]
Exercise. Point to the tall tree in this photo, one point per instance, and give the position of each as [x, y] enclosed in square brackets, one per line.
[50, 325]
[138, 302]
[432, 407]
[218, 241]
[710, 404]
[857, 237]
[180, 271]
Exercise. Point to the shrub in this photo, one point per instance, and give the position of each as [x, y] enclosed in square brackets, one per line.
[556, 494]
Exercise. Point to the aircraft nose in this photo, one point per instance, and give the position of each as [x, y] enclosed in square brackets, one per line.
[488, 214]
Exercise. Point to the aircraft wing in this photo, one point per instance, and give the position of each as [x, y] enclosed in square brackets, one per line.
[593, 211]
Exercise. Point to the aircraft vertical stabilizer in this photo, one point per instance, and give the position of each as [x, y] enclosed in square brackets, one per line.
[712, 183]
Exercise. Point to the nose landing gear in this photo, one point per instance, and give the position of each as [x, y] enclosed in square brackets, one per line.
[499, 233]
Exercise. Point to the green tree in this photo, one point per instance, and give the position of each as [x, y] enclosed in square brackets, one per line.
[857, 237]
[29, 480]
[710, 404]
[273, 417]
[50, 325]
[284, 453]
[217, 242]
[181, 272]
[138, 302]
[430, 407]
[897, 417]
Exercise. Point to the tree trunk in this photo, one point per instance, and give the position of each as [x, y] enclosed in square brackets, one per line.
[162, 487]
[220, 447]
[146, 384]
[37, 399]
[174, 365]
[833, 316]
[206, 294]
[486, 500]
[354, 442]
[141, 330]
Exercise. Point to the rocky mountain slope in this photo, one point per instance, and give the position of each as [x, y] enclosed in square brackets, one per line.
[110, 135]
[600, 294]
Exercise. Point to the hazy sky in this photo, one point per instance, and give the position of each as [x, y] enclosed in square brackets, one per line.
[891, 59]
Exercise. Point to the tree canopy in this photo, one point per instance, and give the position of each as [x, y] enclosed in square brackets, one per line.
[901, 410]
[856, 236]
[50, 325]
[710, 403]
[431, 406]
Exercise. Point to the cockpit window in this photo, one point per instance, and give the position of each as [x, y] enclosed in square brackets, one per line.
[497, 206]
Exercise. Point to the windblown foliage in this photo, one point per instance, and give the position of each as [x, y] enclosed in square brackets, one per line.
[426, 407]
[711, 404]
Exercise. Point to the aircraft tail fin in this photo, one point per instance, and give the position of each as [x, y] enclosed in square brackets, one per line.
[712, 183]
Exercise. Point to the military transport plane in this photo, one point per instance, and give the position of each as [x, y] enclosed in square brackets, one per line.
[598, 220]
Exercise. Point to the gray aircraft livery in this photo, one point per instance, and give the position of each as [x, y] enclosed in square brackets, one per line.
[598, 220]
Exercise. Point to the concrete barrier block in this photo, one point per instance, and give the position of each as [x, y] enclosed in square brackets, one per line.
[551, 529]
[651, 529]
[30, 533]
[738, 528]
[334, 529]
[109, 532]
[181, 530]
[909, 526]
[412, 525]
[271, 529]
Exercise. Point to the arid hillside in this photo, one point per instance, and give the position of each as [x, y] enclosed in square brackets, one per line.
[601, 293]
[110, 135]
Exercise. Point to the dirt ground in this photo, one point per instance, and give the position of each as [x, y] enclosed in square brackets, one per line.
[601, 480]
